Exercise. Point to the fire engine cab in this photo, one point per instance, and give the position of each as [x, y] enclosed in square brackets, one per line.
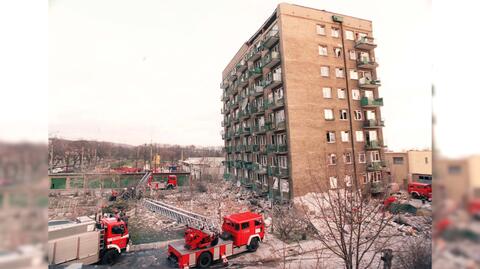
[419, 190]
[240, 233]
[170, 184]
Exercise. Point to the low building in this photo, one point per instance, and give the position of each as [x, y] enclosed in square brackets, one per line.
[409, 166]
[209, 167]
[451, 179]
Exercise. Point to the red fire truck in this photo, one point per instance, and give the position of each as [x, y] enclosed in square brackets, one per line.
[87, 241]
[170, 184]
[419, 190]
[240, 232]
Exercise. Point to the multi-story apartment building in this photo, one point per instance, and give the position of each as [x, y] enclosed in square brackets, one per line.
[301, 105]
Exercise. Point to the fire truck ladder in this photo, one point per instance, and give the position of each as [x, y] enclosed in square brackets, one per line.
[144, 179]
[181, 216]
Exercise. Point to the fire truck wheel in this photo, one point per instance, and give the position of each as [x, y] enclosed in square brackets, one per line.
[204, 260]
[110, 257]
[253, 245]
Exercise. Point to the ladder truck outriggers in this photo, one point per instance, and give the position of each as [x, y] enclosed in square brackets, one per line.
[204, 243]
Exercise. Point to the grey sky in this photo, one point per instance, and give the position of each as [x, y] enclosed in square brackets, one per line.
[135, 71]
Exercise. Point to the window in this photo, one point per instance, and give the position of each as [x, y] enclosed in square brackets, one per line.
[237, 226]
[426, 160]
[347, 157]
[345, 135]
[335, 32]
[372, 135]
[282, 161]
[328, 114]
[333, 182]
[370, 115]
[352, 55]
[343, 114]
[361, 157]
[357, 115]
[322, 50]
[348, 181]
[330, 137]
[119, 229]
[375, 156]
[355, 94]
[339, 72]
[327, 92]
[337, 52]
[320, 29]
[398, 160]
[454, 169]
[332, 159]
[245, 225]
[341, 93]
[364, 178]
[359, 136]
[353, 74]
[325, 71]
[349, 35]
[258, 222]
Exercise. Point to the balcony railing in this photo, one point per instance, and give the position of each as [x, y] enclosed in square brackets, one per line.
[367, 102]
[372, 145]
[280, 172]
[227, 176]
[257, 109]
[274, 81]
[271, 59]
[255, 147]
[259, 128]
[271, 38]
[276, 103]
[255, 52]
[368, 83]
[241, 66]
[280, 125]
[272, 148]
[365, 43]
[243, 113]
[254, 72]
[238, 164]
[376, 166]
[377, 187]
[366, 64]
[373, 124]
[255, 90]
[243, 80]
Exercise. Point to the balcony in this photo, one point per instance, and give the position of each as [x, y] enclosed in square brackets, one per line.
[373, 124]
[226, 122]
[255, 53]
[227, 176]
[255, 90]
[232, 76]
[274, 81]
[368, 84]
[243, 114]
[257, 109]
[281, 148]
[376, 187]
[241, 66]
[274, 104]
[228, 149]
[243, 81]
[280, 125]
[373, 145]
[280, 172]
[271, 59]
[376, 166]
[249, 165]
[366, 64]
[271, 38]
[365, 43]
[254, 72]
[223, 85]
[238, 164]
[255, 147]
[259, 129]
[367, 102]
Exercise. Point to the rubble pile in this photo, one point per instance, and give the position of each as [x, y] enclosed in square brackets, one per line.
[71, 206]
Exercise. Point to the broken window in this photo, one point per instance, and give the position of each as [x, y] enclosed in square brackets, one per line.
[320, 29]
[355, 94]
[361, 157]
[322, 50]
[327, 92]
[343, 114]
[341, 93]
[349, 35]
[339, 73]
[345, 135]
[335, 32]
[328, 114]
[357, 115]
[324, 71]
[353, 74]
[359, 136]
[337, 52]
[332, 159]
[333, 182]
[347, 157]
[330, 137]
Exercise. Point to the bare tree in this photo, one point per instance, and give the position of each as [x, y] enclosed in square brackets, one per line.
[347, 221]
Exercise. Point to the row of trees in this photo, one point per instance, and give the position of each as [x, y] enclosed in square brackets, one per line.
[21, 162]
[85, 154]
